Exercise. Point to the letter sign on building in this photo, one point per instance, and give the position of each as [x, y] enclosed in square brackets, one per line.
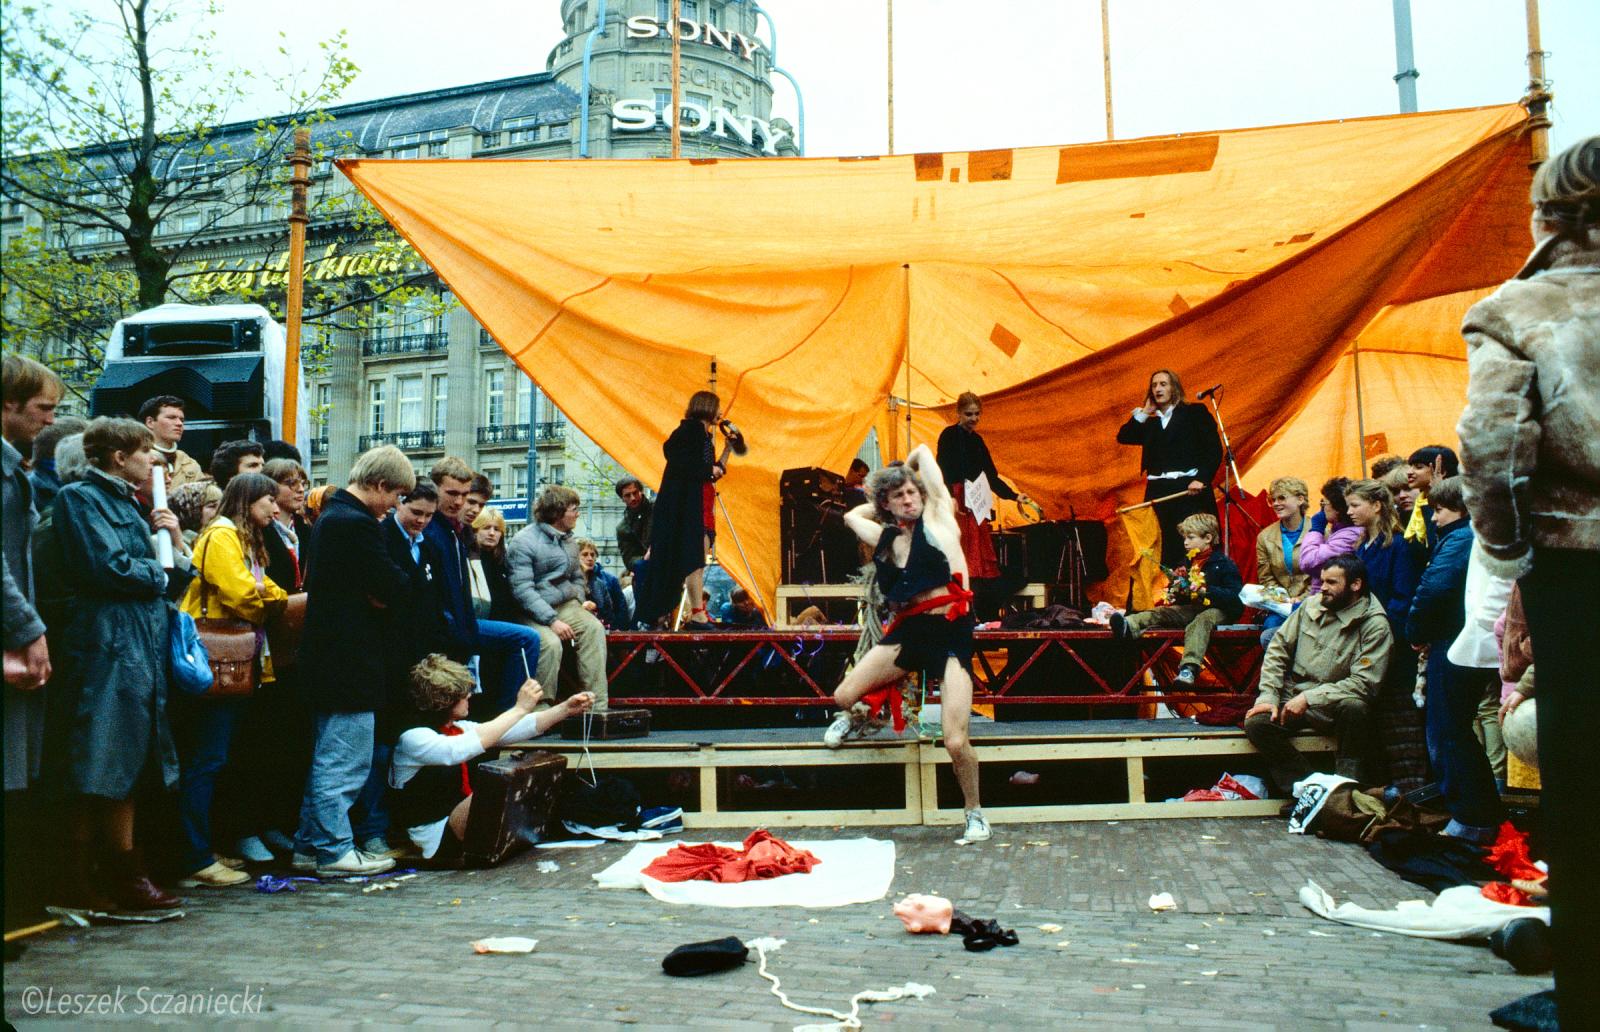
[643, 26]
[634, 116]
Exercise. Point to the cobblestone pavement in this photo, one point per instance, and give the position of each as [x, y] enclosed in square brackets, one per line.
[1239, 952]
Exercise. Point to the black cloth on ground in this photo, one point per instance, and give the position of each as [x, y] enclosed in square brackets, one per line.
[979, 935]
[1435, 862]
[1050, 618]
[704, 958]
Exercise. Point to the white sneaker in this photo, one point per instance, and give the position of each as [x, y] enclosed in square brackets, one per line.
[977, 827]
[355, 862]
[838, 731]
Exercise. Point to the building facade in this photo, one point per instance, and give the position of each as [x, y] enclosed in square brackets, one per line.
[424, 375]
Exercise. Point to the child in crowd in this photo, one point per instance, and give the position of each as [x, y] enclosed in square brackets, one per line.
[1200, 597]
[432, 794]
[1332, 533]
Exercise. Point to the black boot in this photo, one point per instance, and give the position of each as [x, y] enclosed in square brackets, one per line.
[131, 886]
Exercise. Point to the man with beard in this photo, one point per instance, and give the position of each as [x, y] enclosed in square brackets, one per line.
[1322, 670]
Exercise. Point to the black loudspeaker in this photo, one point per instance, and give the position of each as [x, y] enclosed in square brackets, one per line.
[190, 338]
[817, 547]
[213, 387]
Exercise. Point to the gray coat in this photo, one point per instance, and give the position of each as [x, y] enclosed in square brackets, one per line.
[543, 565]
[24, 710]
[110, 701]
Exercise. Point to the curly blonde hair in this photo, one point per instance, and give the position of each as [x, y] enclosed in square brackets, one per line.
[438, 683]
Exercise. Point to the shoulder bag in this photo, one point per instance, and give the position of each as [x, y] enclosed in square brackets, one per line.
[231, 644]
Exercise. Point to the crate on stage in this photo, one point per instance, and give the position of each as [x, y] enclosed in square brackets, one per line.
[512, 795]
[607, 725]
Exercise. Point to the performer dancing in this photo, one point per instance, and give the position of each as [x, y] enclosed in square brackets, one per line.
[684, 521]
[964, 457]
[911, 522]
[1180, 451]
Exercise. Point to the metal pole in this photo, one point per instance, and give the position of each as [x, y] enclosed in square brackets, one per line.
[1361, 416]
[299, 182]
[907, 269]
[533, 443]
[677, 87]
[890, 6]
[1105, 55]
[1405, 75]
[1538, 99]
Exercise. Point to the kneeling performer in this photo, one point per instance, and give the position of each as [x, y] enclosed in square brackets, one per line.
[429, 775]
[910, 520]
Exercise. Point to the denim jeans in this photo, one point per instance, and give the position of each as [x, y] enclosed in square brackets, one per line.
[371, 818]
[1454, 752]
[340, 761]
[1269, 627]
[517, 648]
[203, 729]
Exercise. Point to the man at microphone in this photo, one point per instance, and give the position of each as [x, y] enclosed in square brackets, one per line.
[1180, 453]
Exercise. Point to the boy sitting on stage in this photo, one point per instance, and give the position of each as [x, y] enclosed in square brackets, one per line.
[432, 793]
[1200, 597]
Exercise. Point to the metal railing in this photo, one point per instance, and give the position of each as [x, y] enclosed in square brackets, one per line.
[405, 440]
[554, 432]
[319, 446]
[406, 344]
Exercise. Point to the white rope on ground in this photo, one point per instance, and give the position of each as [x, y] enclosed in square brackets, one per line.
[841, 1021]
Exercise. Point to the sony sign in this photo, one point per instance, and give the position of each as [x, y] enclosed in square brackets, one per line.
[643, 26]
[636, 116]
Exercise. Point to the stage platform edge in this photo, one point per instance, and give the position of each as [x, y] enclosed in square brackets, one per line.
[1137, 745]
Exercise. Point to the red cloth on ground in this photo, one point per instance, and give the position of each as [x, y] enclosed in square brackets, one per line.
[763, 856]
[1509, 855]
[1500, 892]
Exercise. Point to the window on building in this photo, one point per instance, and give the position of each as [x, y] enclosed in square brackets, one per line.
[519, 481]
[417, 315]
[490, 141]
[322, 168]
[495, 476]
[523, 129]
[494, 397]
[561, 132]
[689, 9]
[319, 415]
[408, 399]
[411, 145]
[524, 397]
[702, 99]
[558, 474]
[441, 403]
[663, 103]
[375, 391]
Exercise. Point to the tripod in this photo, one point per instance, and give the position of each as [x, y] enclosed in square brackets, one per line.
[1230, 478]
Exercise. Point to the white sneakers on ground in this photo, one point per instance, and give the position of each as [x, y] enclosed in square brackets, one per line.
[355, 862]
[977, 827]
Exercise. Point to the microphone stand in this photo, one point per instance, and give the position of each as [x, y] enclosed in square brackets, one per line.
[1230, 478]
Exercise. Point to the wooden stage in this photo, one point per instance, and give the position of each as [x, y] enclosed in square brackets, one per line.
[902, 780]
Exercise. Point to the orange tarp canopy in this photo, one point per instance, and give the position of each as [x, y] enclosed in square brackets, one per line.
[1050, 280]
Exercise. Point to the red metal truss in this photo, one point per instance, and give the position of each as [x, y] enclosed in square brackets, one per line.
[802, 667]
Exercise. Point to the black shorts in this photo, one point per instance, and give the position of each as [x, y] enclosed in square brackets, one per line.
[928, 639]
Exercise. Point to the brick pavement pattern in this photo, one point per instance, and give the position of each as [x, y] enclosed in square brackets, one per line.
[1239, 952]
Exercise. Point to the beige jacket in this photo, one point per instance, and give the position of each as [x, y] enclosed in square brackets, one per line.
[1270, 565]
[181, 469]
[1328, 655]
[1530, 434]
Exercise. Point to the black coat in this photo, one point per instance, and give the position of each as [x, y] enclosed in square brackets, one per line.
[1188, 441]
[351, 584]
[962, 455]
[677, 528]
[502, 600]
[415, 625]
[283, 569]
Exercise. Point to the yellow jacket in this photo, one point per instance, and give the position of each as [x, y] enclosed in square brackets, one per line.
[231, 591]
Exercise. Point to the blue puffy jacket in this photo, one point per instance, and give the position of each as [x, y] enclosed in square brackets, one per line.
[1438, 607]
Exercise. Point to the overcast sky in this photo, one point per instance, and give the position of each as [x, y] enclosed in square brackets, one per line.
[994, 73]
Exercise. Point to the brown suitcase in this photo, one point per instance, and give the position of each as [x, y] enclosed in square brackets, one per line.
[608, 724]
[513, 796]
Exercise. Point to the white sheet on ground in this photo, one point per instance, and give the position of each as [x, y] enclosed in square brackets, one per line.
[852, 871]
[1460, 912]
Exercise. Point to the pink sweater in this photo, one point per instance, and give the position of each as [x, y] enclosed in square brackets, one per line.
[1316, 550]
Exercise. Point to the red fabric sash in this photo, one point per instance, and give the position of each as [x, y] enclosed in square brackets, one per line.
[960, 601]
[450, 730]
